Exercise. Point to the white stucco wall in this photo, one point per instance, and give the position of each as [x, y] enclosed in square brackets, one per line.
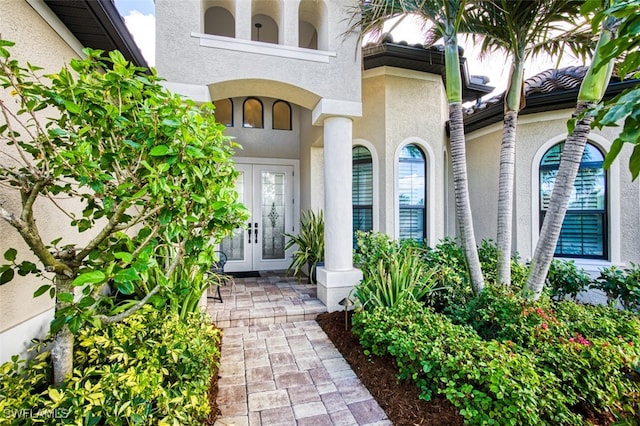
[266, 142]
[537, 133]
[187, 56]
[403, 107]
[21, 316]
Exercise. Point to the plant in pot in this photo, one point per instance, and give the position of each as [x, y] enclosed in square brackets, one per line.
[309, 242]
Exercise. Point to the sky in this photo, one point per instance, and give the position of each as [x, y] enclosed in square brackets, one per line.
[139, 16]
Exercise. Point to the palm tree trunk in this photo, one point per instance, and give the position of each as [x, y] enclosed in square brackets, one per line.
[513, 102]
[592, 91]
[505, 197]
[463, 203]
[567, 172]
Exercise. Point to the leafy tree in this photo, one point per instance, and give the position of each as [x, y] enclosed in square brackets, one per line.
[590, 94]
[446, 16]
[522, 29]
[625, 105]
[151, 175]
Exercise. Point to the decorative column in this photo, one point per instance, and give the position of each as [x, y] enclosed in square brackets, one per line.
[338, 276]
[243, 20]
[289, 23]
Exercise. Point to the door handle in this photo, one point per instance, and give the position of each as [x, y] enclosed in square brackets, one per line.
[256, 232]
[249, 231]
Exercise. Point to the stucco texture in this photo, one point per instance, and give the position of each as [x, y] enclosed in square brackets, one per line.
[402, 107]
[535, 134]
[339, 78]
[20, 23]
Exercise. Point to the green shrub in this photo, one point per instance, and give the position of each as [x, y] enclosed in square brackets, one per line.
[448, 260]
[585, 347]
[402, 277]
[392, 272]
[564, 279]
[490, 382]
[151, 368]
[621, 285]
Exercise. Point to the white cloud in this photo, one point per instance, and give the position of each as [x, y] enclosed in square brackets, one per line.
[143, 29]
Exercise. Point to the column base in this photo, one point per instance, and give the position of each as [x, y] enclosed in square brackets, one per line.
[333, 286]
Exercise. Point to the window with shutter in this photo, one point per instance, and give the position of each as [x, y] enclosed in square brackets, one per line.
[584, 230]
[412, 193]
[362, 191]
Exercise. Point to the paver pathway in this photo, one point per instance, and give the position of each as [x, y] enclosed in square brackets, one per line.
[286, 373]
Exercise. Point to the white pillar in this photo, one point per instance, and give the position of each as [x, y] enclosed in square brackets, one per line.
[338, 276]
[289, 23]
[243, 19]
[337, 198]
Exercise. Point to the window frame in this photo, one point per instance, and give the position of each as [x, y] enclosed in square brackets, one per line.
[361, 207]
[244, 113]
[604, 213]
[273, 114]
[413, 207]
[232, 123]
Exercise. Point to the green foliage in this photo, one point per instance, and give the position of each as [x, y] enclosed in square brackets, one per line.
[488, 253]
[621, 285]
[153, 368]
[625, 105]
[309, 242]
[447, 257]
[448, 260]
[585, 347]
[564, 279]
[150, 175]
[507, 361]
[489, 382]
[392, 272]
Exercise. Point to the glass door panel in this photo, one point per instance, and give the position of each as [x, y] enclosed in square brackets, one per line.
[266, 191]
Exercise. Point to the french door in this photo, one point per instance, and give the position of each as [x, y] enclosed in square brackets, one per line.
[266, 191]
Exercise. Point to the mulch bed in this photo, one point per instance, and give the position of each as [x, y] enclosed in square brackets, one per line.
[400, 400]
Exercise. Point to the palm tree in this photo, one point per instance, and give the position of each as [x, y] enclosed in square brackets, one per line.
[521, 28]
[446, 17]
[591, 93]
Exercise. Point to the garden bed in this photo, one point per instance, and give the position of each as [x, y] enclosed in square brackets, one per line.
[400, 400]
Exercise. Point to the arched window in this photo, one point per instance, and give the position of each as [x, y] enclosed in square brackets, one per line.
[412, 193]
[584, 230]
[219, 21]
[362, 191]
[307, 35]
[281, 115]
[224, 112]
[252, 114]
[264, 29]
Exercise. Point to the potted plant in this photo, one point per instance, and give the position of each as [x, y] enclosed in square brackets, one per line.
[309, 242]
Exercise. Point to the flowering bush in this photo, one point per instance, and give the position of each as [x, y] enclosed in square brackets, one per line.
[501, 358]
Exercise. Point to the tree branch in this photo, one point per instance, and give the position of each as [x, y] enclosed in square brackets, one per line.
[141, 217]
[31, 236]
[122, 315]
[104, 233]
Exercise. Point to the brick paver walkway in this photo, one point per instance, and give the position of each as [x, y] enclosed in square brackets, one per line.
[275, 372]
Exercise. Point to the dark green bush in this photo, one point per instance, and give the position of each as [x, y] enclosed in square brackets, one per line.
[448, 261]
[491, 382]
[150, 369]
[621, 285]
[564, 279]
[585, 347]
